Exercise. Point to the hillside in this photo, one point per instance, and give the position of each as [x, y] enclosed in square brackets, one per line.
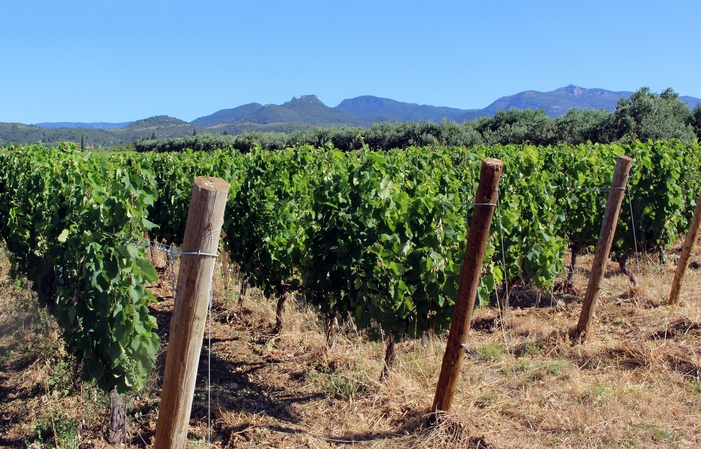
[20, 133]
[159, 121]
[227, 115]
[383, 109]
[306, 109]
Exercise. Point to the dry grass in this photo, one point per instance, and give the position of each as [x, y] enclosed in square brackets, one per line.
[636, 381]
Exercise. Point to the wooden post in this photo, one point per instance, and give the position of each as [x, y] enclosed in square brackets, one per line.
[691, 238]
[204, 220]
[603, 246]
[469, 280]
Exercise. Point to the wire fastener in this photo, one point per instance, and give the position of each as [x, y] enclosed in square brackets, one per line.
[482, 204]
[195, 253]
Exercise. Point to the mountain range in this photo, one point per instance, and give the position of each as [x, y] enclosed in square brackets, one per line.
[309, 112]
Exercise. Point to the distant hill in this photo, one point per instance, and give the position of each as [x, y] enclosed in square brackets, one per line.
[162, 126]
[559, 101]
[159, 121]
[97, 125]
[19, 133]
[227, 115]
[383, 109]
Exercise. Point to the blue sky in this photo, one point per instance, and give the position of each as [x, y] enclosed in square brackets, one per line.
[124, 60]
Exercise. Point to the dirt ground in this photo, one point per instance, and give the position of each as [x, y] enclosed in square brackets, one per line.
[636, 381]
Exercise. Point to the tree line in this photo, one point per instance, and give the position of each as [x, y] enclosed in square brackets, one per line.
[644, 116]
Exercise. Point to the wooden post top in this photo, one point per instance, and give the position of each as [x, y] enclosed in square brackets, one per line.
[493, 162]
[210, 183]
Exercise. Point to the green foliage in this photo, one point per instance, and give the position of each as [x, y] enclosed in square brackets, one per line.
[331, 233]
[69, 221]
[175, 175]
[531, 219]
[379, 235]
[582, 178]
[580, 126]
[490, 352]
[556, 367]
[695, 386]
[266, 224]
[664, 185]
[695, 121]
[196, 142]
[26, 134]
[517, 126]
[387, 238]
[347, 387]
[60, 431]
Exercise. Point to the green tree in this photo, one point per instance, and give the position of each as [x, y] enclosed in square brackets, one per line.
[581, 126]
[695, 120]
[517, 126]
[646, 115]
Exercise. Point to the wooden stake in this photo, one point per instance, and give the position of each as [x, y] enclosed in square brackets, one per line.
[603, 246]
[691, 238]
[204, 220]
[469, 280]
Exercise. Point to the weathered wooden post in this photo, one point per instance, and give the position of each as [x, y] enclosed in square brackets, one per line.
[485, 204]
[691, 238]
[202, 229]
[603, 246]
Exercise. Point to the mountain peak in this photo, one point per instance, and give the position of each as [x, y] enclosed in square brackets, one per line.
[306, 99]
[571, 90]
[228, 115]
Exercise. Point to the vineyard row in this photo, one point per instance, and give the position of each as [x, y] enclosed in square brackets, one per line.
[375, 236]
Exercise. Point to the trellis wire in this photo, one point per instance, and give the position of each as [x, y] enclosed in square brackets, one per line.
[209, 340]
[632, 225]
[501, 319]
[655, 335]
